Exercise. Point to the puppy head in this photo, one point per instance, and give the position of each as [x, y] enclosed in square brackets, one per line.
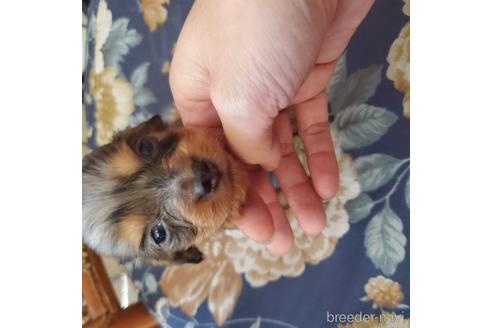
[156, 191]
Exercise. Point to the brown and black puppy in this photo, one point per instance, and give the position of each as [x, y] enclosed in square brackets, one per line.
[155, 191]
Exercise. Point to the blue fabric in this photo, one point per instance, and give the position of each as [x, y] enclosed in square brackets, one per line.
[376, 143]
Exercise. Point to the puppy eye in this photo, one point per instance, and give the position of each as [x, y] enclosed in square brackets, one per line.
[146, 147]
[158, 233]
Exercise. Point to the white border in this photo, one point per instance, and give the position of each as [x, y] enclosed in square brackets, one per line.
[40, 179]
[451, 126]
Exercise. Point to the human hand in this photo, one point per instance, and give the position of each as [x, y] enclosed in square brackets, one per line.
[237, 64]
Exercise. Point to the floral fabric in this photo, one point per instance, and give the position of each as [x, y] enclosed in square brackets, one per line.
[359, 264]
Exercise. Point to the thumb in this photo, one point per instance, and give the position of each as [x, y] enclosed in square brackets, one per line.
[250, 134]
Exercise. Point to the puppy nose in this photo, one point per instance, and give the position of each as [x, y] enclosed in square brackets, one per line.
[207, 177]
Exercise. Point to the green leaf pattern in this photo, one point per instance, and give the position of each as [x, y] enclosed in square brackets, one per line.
[359, 208]
[142, 95]
[358, 125]
[361, 125]
[376, 170]
[119, 42]
[357, 88]
[384, 241]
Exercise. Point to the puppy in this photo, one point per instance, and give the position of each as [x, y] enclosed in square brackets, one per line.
[156, 191]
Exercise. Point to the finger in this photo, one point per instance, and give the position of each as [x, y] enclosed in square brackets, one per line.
[255, 220]
[316, 81]
[302, 198]
[312, 124]
[283, 238]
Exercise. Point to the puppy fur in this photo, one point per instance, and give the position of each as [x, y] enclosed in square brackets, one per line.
[152, 175]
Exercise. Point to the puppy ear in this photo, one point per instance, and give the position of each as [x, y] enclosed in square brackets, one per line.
[156, 122]
[131, 135]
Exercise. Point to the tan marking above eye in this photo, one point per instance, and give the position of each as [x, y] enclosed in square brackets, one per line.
[124, 162]
[131, 228]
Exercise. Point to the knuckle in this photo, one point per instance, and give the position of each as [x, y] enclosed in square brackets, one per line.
[314, 129]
